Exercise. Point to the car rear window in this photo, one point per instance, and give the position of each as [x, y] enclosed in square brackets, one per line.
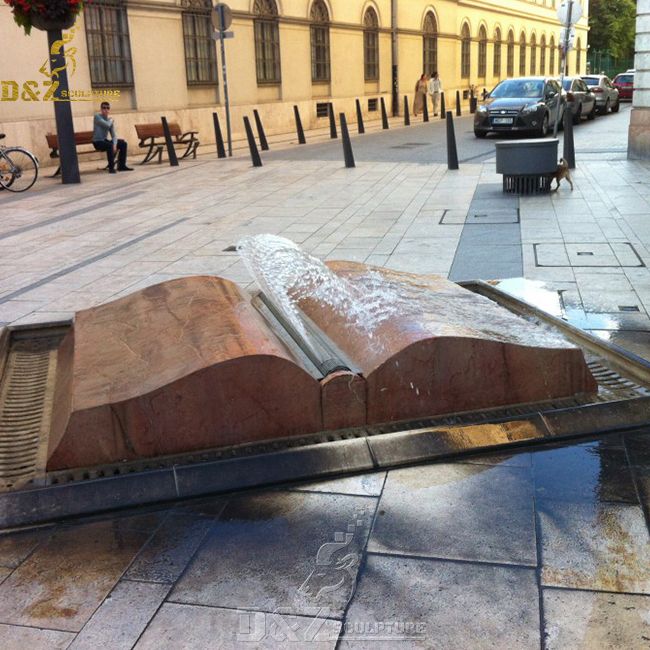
[625, 79]
[591, 81]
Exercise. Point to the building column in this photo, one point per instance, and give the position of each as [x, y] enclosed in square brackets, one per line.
[638, 146]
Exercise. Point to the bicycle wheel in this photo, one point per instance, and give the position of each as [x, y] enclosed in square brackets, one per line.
[23, 169]
[6, 175]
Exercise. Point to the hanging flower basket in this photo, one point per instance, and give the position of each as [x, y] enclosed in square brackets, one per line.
[46, 14]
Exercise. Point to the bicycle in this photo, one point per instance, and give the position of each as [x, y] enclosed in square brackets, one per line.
[18, 168]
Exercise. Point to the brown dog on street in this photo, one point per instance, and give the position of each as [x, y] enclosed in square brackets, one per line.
[561, 172]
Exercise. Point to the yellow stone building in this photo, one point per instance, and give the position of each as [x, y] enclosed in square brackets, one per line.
[160, 56]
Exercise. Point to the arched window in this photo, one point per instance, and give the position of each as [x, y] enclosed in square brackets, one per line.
[465, 56]
[320, 42]
[371, 45]
[482, 52]
[496, 60]
[267, 42]
[430, 45]
[551, 63]
[510, 55]
[542, 55]
[533, 55]
[522, 55]
[578, 57]
[200, 51]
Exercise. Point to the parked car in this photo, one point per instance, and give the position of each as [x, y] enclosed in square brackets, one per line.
[624, 83]
[606, 95]
[580, 99]
[521, 105]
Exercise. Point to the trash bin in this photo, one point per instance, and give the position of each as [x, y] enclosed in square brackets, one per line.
[527, 165]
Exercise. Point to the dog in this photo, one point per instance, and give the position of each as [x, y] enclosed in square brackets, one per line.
[561, 172]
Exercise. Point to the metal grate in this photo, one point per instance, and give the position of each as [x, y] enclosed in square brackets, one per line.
[527, 184]
[25, 408]
[322, 109]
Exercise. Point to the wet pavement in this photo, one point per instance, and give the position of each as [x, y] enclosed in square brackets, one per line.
[548, 547]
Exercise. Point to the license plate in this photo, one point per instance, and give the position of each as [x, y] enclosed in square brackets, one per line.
[502, 120]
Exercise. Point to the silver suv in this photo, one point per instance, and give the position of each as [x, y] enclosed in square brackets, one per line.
[606, 95]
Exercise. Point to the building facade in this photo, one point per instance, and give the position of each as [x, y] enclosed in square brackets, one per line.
[155, 57]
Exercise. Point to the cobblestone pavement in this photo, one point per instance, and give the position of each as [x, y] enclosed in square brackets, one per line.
[546, 548]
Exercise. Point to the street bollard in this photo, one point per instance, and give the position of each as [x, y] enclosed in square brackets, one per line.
[255, 154]
[425, 108]
[458, 113]
[360, 127]
[384, 115]
[218, 137]
[347, 145]
[330, 111]
[264, 145]
[443, 110]
[452, 154]
[407, 117]
[171, 152]
[299, 130]
[568, 151]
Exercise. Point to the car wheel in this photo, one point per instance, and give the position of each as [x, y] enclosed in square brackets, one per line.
[480, 134]
[578, 115]
[543, 129]
[616, 106]
[592, 113]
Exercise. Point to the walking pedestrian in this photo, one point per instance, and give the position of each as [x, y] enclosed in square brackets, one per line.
[420, 95]
[435, 88]
[103, 125]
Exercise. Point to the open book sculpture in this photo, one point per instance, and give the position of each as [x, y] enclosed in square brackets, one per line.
[191, 364]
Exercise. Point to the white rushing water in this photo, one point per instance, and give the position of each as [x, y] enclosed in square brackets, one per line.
[287, 274]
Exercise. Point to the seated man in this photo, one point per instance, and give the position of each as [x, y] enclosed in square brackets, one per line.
[102, 126]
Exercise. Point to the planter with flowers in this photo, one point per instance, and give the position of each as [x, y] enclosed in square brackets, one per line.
[45, 15]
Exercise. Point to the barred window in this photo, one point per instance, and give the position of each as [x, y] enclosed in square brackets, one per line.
[200, 55]
[320, 42]
[371, 45]
[522, 55]
[533, 55]
[482, 52]
[551, 66]
[109, 49]
[496, 61]
[430, 45]
[542, 56]
[510, 55]
[465, 51]
[267, 42]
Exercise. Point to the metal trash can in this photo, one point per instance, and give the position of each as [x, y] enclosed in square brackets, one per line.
[527, 165]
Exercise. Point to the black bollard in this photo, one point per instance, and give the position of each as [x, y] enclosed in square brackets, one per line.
[255, 154]
[171, 152]
[569, 152]
[384, 115]
[452, 154]
[360, 126]
[443, 111]
[473, 101]
[301, 133]
[407, 117]
[330, 110]
[264, 145]
[347, 145]
[218, 137]
[425, 109]
[458, 103]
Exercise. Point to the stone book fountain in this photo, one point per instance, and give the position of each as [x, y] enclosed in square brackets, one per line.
[192, 364]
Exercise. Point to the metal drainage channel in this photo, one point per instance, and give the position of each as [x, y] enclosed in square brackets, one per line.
[29, 495]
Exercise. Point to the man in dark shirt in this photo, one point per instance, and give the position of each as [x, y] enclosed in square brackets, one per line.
[102, 126]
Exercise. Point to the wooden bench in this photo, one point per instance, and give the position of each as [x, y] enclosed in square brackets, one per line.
[152, 138]
[81, 138]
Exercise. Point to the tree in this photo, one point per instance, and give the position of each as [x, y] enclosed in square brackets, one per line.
[612, 26]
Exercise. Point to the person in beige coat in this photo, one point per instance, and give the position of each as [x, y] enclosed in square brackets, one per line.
[420, 95]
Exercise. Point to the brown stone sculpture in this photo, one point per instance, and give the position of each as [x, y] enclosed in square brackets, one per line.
[189, 364]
